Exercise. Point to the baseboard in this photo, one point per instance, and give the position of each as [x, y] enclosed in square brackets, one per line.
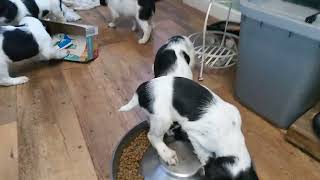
[218, 11]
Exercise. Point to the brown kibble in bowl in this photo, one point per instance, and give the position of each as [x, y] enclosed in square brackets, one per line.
[131, 156]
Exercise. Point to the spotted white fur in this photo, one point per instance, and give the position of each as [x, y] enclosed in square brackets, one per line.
[181, 67]
[53, 6]
[217, 131]
[130, 8]
[46, 50]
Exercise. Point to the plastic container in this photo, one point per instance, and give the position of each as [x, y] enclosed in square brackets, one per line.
[278, 74]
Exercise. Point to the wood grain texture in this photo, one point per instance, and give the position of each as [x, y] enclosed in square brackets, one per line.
[301, 133]
[8, 106]
[9, 151]
[50, 141]
[67, 114]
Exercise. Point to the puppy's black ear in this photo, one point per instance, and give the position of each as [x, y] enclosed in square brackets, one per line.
[103, 2]
[186, 56]
[45, 25]
[3, 6]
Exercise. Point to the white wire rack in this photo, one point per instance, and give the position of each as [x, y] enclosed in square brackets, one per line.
[215, 53]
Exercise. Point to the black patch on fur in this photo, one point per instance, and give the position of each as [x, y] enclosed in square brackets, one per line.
[3, 6]
[47, 28]
[179, 133]
[148, 8]
[311, 19]
[60, 5]
[186, 57]
[215, 168]
[8, 10]
[32, 7]
[190, 99]
[103, 2]
[144, 96]
[19, 45]
[44, 13]
[164, 61]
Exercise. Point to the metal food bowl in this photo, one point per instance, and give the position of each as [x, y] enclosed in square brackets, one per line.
[151, 165]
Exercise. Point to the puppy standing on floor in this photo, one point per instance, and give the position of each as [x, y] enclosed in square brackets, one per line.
[12, 11]
[212, 125]
[142, 10]
[175, 58]
[29, 40]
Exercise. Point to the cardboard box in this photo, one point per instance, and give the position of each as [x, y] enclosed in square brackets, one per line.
[84, 38]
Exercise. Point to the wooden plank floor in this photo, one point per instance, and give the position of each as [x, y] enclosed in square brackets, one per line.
[67, 119]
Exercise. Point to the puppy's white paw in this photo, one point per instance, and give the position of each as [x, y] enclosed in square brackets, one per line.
[21, 80]
[134, 28]
[143, 41]
[169, 156]
[112, 25]
[14, 81]
[62, 54]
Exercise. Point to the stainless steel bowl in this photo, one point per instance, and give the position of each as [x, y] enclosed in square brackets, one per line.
[151, 165]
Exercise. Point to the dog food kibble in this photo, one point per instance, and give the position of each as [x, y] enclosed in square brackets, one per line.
[131, 156]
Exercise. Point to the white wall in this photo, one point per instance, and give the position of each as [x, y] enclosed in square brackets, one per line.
[218, 10]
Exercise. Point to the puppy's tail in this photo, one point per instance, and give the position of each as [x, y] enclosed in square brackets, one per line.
[103, 2]
[131, 104]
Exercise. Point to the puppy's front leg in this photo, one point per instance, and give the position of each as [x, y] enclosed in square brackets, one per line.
[49, 52]
[147, 29]
[158, 127]
[6, 80]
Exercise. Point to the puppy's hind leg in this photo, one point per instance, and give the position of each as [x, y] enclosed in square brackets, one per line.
[115, 15]
[6, 80]
[147, 29]
[134, 25]
[159, 125]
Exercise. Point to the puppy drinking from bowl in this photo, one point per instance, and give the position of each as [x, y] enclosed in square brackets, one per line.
[29, 40]
[212, 125]
[142, 10]
[175, 58]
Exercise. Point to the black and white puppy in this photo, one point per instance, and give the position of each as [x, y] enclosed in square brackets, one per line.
[29, 40]
[212, 125]
[175, 58]
[142, 10]
[12, 11]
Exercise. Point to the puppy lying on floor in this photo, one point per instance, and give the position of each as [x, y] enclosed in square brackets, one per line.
[142, 10]
[212, 125]
[175, 58]
[12, 11]
[29, 40]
